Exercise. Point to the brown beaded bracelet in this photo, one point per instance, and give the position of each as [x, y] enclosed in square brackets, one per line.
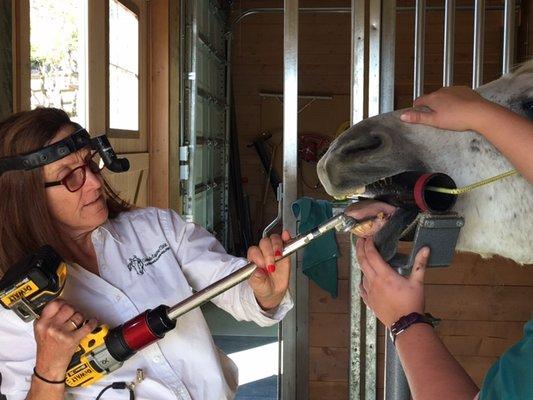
[48, 380]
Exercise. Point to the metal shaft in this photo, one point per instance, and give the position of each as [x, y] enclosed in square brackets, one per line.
[396, 385]
[340, 222]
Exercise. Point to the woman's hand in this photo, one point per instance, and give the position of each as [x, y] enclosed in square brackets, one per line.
[271, 279]
[456, 108]
[58, 332]
[387, 293]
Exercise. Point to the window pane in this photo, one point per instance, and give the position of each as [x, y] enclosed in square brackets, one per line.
[58, 56]
[123, 67]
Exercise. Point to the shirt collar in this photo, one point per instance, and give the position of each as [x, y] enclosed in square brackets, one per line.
[109, 229]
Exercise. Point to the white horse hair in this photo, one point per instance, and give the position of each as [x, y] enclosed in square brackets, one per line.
[499, 216]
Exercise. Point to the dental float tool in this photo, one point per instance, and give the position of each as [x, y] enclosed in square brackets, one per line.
[341, 223]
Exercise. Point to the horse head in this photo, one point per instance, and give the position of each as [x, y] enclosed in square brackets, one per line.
[499, 217]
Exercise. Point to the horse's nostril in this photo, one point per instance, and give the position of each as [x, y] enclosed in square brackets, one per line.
[362, 145]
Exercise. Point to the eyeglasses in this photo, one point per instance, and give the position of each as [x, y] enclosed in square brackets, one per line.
[75, 179]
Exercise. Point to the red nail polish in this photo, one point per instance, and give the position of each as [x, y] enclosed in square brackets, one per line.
[271, 268]
[278, 253]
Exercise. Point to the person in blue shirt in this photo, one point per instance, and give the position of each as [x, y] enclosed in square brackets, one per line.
[432, 372]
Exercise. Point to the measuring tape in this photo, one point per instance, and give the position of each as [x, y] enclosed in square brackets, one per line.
[473, 185]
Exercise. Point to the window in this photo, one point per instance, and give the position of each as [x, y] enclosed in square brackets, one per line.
[123, 68]
[58, 57]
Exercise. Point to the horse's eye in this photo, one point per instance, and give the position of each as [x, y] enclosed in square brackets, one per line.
[527, 106]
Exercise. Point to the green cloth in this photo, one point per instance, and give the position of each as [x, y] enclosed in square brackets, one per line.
[319, 260]
[511, 377]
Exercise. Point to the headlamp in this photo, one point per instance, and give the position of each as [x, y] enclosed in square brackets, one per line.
[56, 151]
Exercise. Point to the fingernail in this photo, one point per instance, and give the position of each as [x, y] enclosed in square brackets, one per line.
[404, 117]
[277, 253]
[271, 268]
[425, 251]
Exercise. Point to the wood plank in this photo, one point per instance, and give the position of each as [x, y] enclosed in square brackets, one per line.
[477, 346]
[328, 390]
[321, 302]
[97, 69]
[21, 56]
[329, 330]
[476, 367]
[484, 303]
[159, 103]
[328, 364]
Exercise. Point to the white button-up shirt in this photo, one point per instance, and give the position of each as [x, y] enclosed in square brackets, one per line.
[147, 257]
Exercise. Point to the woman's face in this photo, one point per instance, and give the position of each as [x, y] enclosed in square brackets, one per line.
[75, 212]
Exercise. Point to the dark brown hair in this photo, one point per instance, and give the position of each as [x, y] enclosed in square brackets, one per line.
[25, 221]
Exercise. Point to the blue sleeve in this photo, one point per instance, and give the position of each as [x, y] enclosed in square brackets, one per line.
[511, 377]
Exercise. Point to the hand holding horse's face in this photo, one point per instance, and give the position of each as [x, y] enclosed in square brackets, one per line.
[457, 108]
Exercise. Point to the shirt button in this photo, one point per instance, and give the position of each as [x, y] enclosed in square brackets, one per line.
[157, 359]
[118, 297]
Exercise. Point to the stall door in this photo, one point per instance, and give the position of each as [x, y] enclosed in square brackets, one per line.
[204, 141]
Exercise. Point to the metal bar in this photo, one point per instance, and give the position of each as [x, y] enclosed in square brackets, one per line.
[345, 10]
[371, 337]
[277, 220]
[374, 105]
[183, 23]
[277, 10]
[449, 38]
[357, 103]
[477, 51]
[357, 62]
[201, 141]
[355, 325]
[508, 35]
[396, 386]
[388, 48]
[227, 135]
[420, 22]
[211, 98]
[374, 54]
[204, 186]
[190, 137]
[300, 96]
[294, 326]
[210, 49]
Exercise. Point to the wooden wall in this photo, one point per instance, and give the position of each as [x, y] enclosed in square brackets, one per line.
[483, 303]
[6, 66]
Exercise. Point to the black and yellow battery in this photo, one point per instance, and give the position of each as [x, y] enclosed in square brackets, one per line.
[29, 285]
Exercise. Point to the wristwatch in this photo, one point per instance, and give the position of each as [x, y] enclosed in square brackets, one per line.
[407, 320]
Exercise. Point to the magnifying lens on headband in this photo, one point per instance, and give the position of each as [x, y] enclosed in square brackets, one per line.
[56, 151]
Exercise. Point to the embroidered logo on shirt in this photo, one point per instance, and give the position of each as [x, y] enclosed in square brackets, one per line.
[139, 264]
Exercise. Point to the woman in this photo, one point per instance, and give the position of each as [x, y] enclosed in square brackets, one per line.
[121, 262]
[431, 370]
